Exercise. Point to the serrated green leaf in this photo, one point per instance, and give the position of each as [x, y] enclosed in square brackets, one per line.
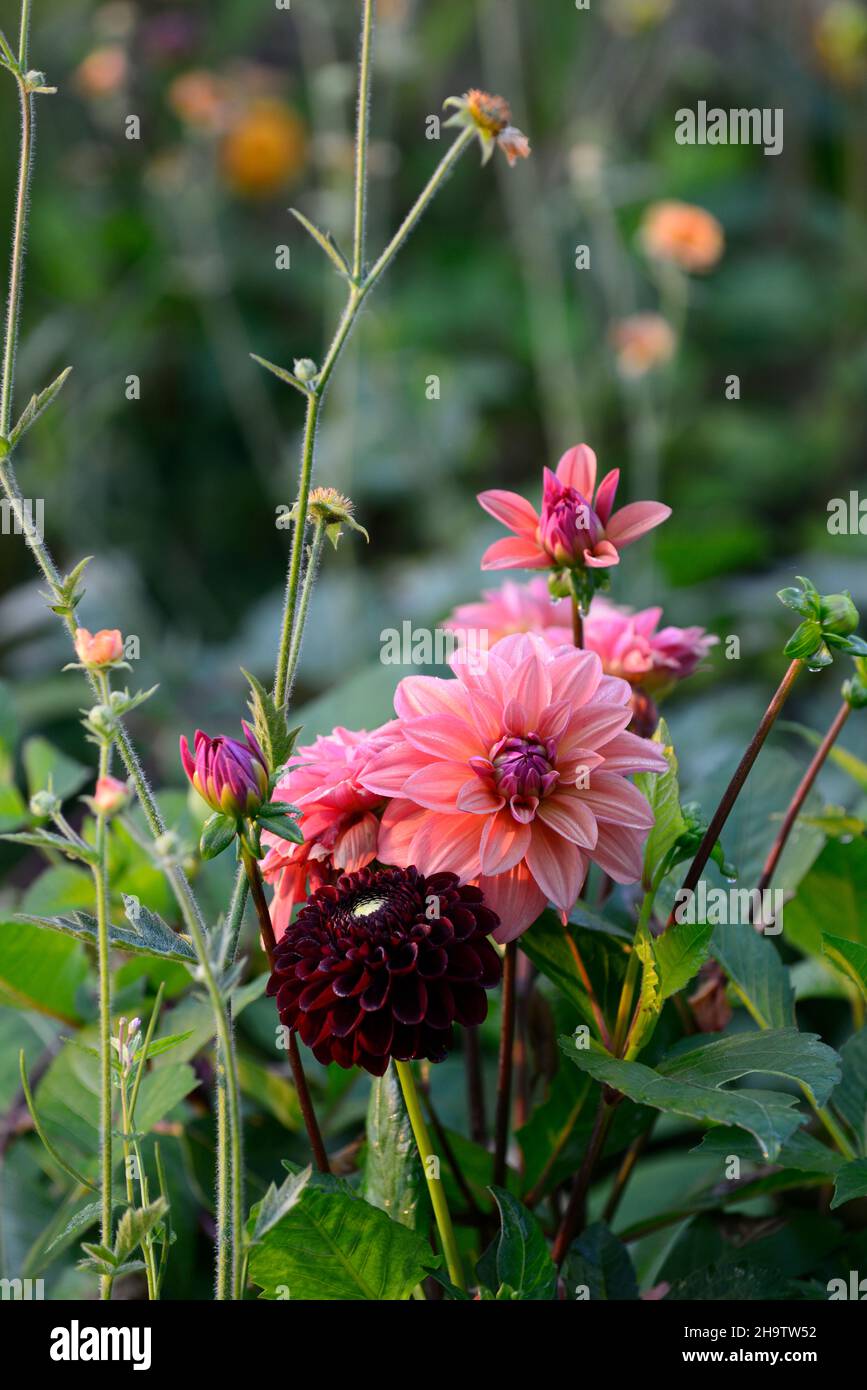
[269, 725]
[752, 963]
[599, 1262]
[851, 1182]
[800, 1057]
[850, 957]
[135, 1225]
[663, 793]
[146, 933]
[332, 1246]
[680, 952]
[35, 407]
[518, 1261]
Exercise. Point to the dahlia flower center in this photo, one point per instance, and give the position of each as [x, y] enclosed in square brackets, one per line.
[524, 766]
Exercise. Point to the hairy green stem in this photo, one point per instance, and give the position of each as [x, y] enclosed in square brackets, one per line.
[362, 140]
[13, 302]
[430, 1163]
[100, 875]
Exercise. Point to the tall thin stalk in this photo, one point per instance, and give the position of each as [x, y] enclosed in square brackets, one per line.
[65, 604]
[100, 875]
[431, 1165]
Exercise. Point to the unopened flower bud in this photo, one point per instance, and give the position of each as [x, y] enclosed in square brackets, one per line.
[231, 776]
[44, 803]
[305, 368]
[838, 614]
[110, 796]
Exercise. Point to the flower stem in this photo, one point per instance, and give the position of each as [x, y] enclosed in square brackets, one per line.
[800, 795]
[304, 601]
[100, 875]
[430, 1163]
[314, 1133]
[475, 1085]
[504, 1067]
[357, 294]
[577, 624]
[734, 787]
[13, 301]
[574, 1217]
[362, 137]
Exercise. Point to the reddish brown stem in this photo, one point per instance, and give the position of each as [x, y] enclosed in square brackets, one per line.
[574, 1218]
[734, 787]
[577, 625]
[504, 1068]
[800, 795]
[266, 927]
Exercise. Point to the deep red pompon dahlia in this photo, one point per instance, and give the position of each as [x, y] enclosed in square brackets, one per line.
[382, 963]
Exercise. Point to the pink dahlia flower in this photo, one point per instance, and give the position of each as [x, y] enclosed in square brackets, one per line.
[516, 608]
[630, 646]
[577, 527]
[339, 818]
[515, 778]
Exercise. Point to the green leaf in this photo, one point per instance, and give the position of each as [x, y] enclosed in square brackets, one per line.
[850, 1097]
[649, 993]
[218, 832]
[35, 407]
[802, 1151]
[800, 1057]
[135, 1225]
[282, 374]
[690, 1082]
[832, 897]
[44, 764]
[850, 957]
[599, 1263]
[851, 1182]
[518, 1262]
[661, 790]
[753, 965]
[269, 725]
[161, 1090]
[680, 952]
[13, 810]
[328, 1245]
[392, 1171]
[327, 243]
[146, 933]
[40, 972]
[556, 950]
[81, 1221]
[283, 826]
[46, 840]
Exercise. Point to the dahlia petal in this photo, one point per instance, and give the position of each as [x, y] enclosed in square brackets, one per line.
[477, 798]
[417, 696]
[517, 900]
[557, 865]
[575, 676]
[530, 684]
[388, 771]
[595, 725]
[628, 753]
[436, 786]
[515, 552]
[604, 501]
[620, 852]
[577, 468]
[356, 845]
[503, 843]
[569, 815]
[448, 842]
[444, 736]
[633, 520]
[513, 510]
[612, 798]
[602, 556]
[400, 823]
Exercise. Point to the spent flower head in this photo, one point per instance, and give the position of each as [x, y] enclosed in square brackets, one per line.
[329, 508]
[491, 119]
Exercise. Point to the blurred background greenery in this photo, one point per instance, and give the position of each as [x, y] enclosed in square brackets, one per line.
[157, 257]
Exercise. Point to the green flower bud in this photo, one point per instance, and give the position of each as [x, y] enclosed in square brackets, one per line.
[855, 689]
[305, 369]
[838, 614]
[44, 803]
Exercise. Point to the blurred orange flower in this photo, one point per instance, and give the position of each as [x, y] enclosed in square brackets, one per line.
[642, 342]
[103, 72]
[265, 150]
[98, 648]
[198, 98]
[685, 235]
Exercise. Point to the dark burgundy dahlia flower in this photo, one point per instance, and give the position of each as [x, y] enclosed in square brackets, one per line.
[382, 963]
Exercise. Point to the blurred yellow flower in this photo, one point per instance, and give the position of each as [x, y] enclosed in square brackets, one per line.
[642, 342]
[840, 37]
[264, 150]
[682, 234]
[103, 72]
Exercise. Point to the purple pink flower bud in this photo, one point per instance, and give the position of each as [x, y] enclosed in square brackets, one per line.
[231, 777]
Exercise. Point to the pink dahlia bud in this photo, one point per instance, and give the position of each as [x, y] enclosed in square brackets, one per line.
[231, 777]
[110, 796]
[568, 525]
[101, 648]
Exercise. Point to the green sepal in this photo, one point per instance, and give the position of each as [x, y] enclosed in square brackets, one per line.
[218, 833]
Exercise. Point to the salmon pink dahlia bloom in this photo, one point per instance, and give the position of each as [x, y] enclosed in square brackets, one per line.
[516, 778]
[577, 528]
[630, 645]
[339, 819]
[516, 608]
